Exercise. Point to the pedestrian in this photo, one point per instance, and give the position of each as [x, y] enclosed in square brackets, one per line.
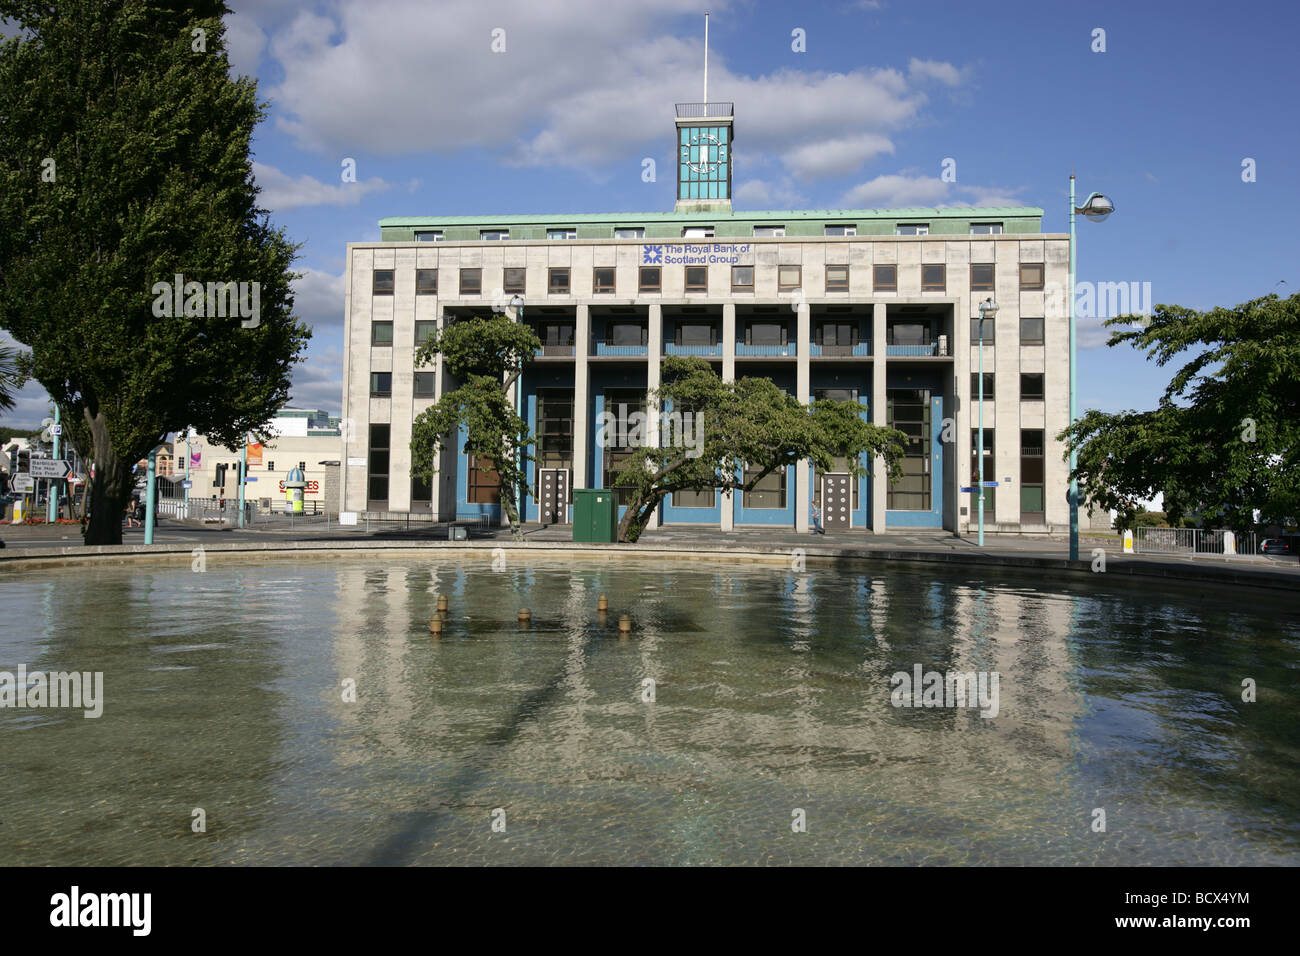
[130, 513]
[817, 519]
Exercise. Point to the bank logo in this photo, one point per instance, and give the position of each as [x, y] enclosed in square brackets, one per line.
[652, 254]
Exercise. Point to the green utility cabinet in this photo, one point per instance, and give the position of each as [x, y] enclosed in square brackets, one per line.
[595, 515]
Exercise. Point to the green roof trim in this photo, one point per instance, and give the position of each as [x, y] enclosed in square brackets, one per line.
[632, 219]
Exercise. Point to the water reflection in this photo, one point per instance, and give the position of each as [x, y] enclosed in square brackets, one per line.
[224, 690]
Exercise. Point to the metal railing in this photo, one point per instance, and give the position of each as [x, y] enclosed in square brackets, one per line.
[1191, 541]
[697, 110]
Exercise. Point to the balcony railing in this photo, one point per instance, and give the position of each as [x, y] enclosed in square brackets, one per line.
[550, 351]
[671, 348]
[699, 110]
[604, 348]
[770, 350]
[843, 351]
[917, 350]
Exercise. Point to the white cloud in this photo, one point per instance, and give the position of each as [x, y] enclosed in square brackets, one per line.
[318, 298]
[245, 42]
[281, 191]
[896, 190]
[936, 70]
[582, 85]
[836, 157]
[318, 381]
[763, 194]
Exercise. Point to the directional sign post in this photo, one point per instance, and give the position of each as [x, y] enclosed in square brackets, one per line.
[23, 484]
[57, 468]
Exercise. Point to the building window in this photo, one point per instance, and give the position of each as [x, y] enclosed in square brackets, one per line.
[433, 235]
[561, 233]
[742, 278]
[767, 231]
[837, 278]
[557, 281]
[621, 403]
[270, 466]
[381, 333]
[425, 329]
[381, 384]
[649, 279]
[630, 232]
[990, 474]
[626, 332]
[697, 279]
[1031, 386]
[421, 491]
[975, 330]
[908, 410]
[377, 489]
[981, 277]
[885, 278]
[556, 334]
[704, 162]
[986, 228]
[695, 333]
[602, 279]
[423, 384]
[483, 484]
[765, 333]
[554, 428]
[1031, 476]
[1031, 276]
[1031, 330]
[907, 332]
[697, 232]
[494, 235]
[975, 386]
[514, 280]
[788, 278]
[934, 277]
[471, 282]
[382, 283]
[837, 334]
[841, 230]
[913, 229]
[769, 492]
[426, 281]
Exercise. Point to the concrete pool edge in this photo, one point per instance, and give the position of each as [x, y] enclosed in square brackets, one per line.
[1117, 566]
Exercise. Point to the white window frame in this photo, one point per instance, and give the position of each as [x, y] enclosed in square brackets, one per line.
[565, 233]
[697, 232]
[629, 232]
[771, 232]
[922, 229]
[493, 235]
[850, 229]
[421, 234]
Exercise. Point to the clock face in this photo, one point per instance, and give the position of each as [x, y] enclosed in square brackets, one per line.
[704, 150]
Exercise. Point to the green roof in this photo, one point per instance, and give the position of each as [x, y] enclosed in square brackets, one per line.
[779, 215]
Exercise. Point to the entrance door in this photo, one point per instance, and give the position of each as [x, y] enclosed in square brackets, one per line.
[837, 501]
[553, 495]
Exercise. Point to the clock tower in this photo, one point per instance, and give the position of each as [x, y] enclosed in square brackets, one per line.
[704, 137]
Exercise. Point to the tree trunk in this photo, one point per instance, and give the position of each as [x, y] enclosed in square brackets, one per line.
[636, 516]
[110, 488]
[512, 514]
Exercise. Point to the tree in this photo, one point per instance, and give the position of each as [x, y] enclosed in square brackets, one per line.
[11, 380]
[124, 162]
[487, 355]
[1224, 439]
[749, 423]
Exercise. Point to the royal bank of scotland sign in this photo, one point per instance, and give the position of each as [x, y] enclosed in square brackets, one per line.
[697, 254]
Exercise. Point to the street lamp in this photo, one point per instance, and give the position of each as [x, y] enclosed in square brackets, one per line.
[988, 312]
[1095, 208]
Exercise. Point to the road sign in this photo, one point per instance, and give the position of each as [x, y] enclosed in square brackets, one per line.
[990, 484]
[965, 489]
[187, 484]
[251, 478]
[22, 484]
[56, 429]
[50, 468]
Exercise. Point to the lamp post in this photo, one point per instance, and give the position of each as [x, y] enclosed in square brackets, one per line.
[1095, 208]
[243, 478]
[988, 312]
[150, 471]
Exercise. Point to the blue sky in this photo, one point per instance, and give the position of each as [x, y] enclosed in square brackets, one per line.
[561, 121]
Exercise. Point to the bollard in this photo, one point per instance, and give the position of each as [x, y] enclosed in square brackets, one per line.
[1128, 542]
[602, 603]
[435, 627]
[525, 615]
[624, 624]
[442, 602]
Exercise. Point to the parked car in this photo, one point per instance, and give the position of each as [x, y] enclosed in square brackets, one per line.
[1278, 546]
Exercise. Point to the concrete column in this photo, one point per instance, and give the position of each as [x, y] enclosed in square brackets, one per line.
[581, 395]
[879, 367]
[728, 504]
[803, 385]
[652, 379]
